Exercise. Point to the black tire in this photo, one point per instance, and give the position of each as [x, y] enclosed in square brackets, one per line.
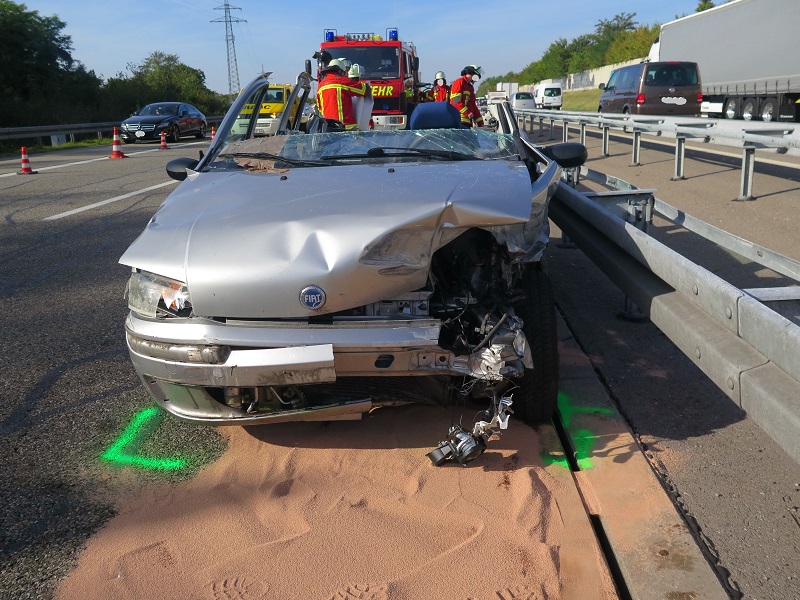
[537, 399]
[730, 109]
[769, 110]
[125, 141]
[749, 109]
[202, 133]
[174, 133]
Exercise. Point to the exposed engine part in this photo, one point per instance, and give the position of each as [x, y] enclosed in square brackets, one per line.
[465, 446]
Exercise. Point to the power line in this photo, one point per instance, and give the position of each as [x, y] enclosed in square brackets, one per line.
[233, 68]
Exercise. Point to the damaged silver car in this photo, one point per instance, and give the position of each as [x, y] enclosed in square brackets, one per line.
[317, 273]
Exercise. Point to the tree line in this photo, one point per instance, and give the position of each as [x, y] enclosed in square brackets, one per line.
[41, 84]
[613, 41]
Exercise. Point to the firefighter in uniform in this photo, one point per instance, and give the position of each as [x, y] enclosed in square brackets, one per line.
[462, 96]
[440, 92]
[335, 94]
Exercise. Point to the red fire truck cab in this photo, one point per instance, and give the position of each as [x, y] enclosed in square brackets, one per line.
[391, 67]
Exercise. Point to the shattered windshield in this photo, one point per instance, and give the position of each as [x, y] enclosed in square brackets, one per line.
[364, 147]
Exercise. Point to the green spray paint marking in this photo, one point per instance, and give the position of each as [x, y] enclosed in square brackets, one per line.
[125, 450]
[583, 440]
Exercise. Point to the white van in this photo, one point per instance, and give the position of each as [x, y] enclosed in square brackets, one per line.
[548, 95]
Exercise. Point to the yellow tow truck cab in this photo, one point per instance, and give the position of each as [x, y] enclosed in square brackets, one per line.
[270, 112]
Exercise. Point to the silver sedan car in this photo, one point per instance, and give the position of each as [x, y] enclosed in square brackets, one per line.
[314, 274]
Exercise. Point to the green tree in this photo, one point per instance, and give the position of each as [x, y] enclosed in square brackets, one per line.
[160, 77]
[704, 5]
[631, 44]
[36, 65]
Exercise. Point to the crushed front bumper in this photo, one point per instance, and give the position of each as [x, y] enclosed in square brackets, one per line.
[222, 373]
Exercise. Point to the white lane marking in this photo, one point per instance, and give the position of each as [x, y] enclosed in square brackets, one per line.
[91, 160]
[109, 201]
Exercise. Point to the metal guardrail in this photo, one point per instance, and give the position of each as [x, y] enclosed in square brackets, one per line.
[782, 138]
[45, 131]
[750, 351]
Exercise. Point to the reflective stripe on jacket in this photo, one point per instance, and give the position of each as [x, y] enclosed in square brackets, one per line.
[335, 98]
[441, 94]
[462, 96]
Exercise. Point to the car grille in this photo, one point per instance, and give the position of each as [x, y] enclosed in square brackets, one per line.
[135, 127]
[422, 389]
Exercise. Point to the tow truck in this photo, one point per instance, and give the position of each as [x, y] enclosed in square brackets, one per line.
[391, 67]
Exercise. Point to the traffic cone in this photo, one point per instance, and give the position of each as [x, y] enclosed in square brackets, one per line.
[26, 164]
[164, 141]
[213, 132]
[116, 152]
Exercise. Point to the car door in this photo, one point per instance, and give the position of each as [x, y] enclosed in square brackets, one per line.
[185, 119]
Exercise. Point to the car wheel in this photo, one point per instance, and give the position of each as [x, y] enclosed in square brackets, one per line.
[127, 141]
[202, 133]
[175, 133]
[768, 110]
[749, 109]
[731, 108]
[537, 398]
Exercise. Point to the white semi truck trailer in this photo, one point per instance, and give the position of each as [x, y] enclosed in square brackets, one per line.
[747, 54]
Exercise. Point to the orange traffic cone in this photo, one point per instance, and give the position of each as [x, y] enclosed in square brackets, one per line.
[164, 141]
[213, 132]
[116, 152]
[26, 164]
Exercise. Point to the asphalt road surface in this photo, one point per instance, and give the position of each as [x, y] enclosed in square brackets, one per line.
[68, 388]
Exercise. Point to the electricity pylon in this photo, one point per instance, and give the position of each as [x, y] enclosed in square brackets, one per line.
[233, 69]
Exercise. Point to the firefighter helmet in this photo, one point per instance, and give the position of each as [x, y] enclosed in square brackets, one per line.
[337, 64]
[472, 70]
[356, 71]
[440, 75]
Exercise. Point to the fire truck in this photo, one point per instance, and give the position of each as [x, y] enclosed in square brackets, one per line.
[391, 67]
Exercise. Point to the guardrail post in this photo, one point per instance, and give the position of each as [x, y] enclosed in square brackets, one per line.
[583, 133]
[541, 126]
[640, 215]
[552, 127]
[637, 142]
[680, 153]
[605, 140]
[748, 166]
[564, 131]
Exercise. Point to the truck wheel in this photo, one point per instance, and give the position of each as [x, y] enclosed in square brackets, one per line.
[536, 400]
[731, 109]
[749, 109]
[769, 110]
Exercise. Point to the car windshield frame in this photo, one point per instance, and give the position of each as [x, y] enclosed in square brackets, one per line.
[158, 109]
[363, 147]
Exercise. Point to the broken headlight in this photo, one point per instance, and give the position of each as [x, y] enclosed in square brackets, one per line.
[151, 295]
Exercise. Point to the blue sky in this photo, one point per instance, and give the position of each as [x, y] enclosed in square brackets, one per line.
[278, 36]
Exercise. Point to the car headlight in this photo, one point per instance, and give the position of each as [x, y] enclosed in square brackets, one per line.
[150, 295]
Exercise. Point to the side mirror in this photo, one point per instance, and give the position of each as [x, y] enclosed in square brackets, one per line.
[416, 63]
[308, 66]
[568, 155]
[176, 168]
[602, 86]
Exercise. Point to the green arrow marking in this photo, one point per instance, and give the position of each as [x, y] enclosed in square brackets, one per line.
[125, 450]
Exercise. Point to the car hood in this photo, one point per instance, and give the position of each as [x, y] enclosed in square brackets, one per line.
[148, 120]
[247, 244]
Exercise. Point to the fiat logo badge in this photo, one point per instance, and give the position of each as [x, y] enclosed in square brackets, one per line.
[312, 297]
